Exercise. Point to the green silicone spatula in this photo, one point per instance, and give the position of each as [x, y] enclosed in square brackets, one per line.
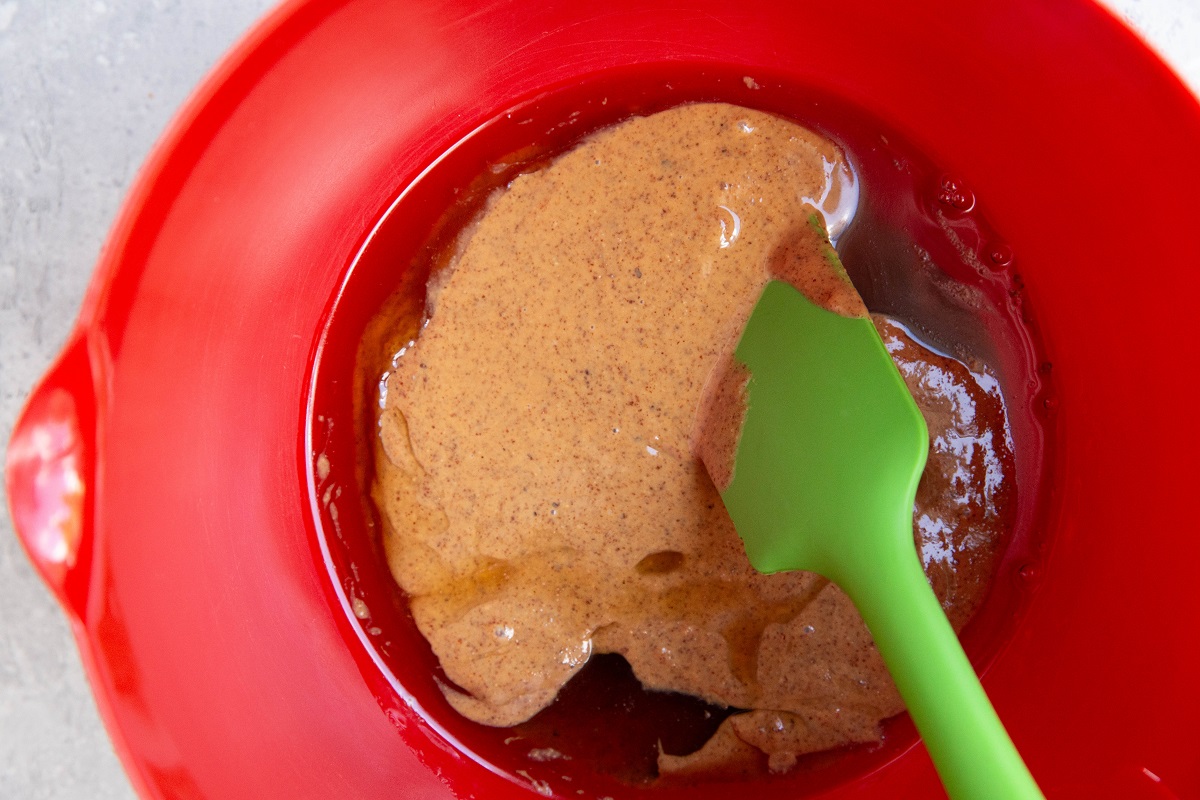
[824, 477]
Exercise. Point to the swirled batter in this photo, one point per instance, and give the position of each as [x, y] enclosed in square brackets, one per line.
[535, 473]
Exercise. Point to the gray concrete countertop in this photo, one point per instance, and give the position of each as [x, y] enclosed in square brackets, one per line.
[85, 89]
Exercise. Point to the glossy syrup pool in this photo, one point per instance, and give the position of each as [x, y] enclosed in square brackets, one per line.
[919, 250]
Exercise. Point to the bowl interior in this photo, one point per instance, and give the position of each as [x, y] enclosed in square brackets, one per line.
[539, 126]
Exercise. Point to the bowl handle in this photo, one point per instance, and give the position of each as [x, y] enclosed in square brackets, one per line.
[48, 475]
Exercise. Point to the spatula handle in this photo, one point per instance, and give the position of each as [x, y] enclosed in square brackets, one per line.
[972, 751]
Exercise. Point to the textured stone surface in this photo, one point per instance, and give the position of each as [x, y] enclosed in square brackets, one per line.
[85, 88]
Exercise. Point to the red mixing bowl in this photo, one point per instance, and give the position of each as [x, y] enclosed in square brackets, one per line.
[162, 475]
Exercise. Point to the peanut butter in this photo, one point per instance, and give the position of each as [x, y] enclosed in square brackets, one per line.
[535, 471]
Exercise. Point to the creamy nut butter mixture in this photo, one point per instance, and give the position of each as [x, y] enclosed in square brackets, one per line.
[535, 472]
